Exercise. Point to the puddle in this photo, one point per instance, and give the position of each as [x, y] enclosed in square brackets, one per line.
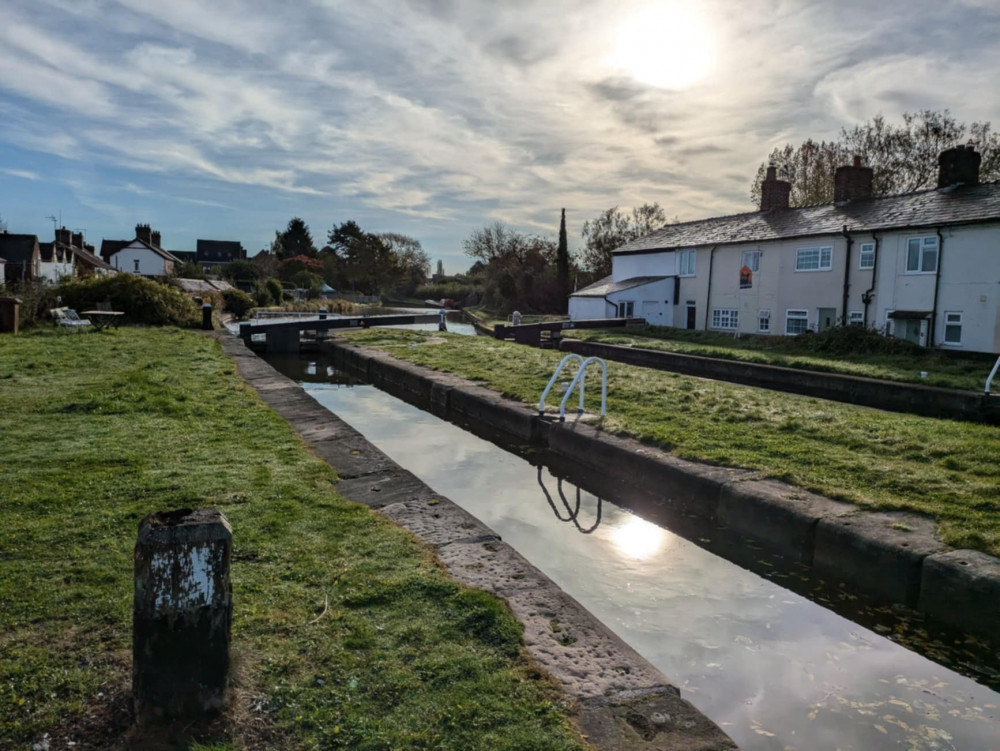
[773, 668]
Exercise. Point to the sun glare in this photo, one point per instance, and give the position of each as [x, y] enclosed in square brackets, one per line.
[665, 45]
[638, 539]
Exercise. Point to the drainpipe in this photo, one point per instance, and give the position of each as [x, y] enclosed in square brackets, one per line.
[708, 293]
[613, 305]
[937, 287]
[847, 274]
[866, 298]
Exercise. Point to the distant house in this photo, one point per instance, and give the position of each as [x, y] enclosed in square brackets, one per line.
[922, 266]
[22, 256]
[142, 256]
[212, 254]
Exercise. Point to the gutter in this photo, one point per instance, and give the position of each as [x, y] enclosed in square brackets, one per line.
[708, 292]
[866, 298]
[937, 288]
[847, 274]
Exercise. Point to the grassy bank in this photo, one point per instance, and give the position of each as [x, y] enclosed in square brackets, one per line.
[346, 632]
[882, 460]
[944, 370]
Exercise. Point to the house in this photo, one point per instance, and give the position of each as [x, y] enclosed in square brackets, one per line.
[22, 256]
[142, 256]
[212, 254]
[922, 266]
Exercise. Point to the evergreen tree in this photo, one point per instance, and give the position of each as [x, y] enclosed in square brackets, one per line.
[562, 256]
[296, 240]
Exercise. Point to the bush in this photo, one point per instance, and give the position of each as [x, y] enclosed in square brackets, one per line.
[36, 301]
[237, 302]
[846, 340]
[142, 300]
[274, 287]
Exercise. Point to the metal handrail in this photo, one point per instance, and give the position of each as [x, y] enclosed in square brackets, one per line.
[581, 378]
[993, 372]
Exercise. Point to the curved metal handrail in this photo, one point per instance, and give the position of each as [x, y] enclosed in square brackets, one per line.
[555, 377]
[581, 378]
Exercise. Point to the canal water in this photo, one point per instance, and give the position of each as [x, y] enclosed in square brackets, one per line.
[777, 671]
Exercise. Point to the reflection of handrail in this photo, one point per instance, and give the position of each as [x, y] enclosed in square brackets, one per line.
[571, 514]
[581, 378]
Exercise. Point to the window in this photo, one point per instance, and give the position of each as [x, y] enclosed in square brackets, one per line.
[921, 255]
[867, 258]
[625, 309]
[814, 259]
[751, 259]
[796, 322]
[952, 328]
[725, 318]
[856, 318]
[685, 263]
[764, 321]
[136, 262]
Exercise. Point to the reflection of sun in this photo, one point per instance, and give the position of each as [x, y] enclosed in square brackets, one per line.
[665, 45]
[637, 538]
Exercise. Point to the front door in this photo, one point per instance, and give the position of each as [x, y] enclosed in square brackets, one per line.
[827, 319]
[689, 324]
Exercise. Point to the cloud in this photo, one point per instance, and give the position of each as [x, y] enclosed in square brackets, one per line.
[22, 173]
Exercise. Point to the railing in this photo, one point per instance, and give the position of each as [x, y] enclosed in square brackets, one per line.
[581, 379]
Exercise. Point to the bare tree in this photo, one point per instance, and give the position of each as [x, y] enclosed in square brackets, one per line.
[613, 228]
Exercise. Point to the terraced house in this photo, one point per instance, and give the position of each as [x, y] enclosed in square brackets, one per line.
[924, 266]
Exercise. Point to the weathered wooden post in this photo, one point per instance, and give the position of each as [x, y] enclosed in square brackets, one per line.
[206, 315]
[181, 616]
[9, 313]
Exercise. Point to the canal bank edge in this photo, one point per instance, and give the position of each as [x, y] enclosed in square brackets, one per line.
[895, 556]
[622, 701]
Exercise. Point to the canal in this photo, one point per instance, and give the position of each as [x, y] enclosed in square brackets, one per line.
[772, 667]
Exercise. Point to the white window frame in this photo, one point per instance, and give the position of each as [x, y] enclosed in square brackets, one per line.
[924, 243]
[823, 252]
[751, 259]
[856, 318]
[764, 321]
[796, 314]
[953, 319]
[135, 261]
[866, 249]
[686, 262]
[626, 309]
[726, 319]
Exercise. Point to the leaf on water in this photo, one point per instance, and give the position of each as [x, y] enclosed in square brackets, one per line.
[881, 729]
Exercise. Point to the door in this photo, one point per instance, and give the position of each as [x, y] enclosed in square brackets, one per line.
[651, 310]
[689, 322]
[827, 319]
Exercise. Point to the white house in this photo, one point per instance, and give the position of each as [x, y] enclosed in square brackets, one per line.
[142, 256]
[923, 266]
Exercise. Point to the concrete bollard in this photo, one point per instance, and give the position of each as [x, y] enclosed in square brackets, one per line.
[443, 323]
[182, 614]
[206, 315]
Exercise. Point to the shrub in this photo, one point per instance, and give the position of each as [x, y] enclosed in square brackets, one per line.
[274, 287]
[845, 340]
[237, 302]
[142, 300]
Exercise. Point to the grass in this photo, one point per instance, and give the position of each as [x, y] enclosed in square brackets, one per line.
[944, 370]
[879, 460]
[99, 429]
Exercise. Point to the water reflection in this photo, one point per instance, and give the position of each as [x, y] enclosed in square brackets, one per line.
[572, 515]
[774, 669]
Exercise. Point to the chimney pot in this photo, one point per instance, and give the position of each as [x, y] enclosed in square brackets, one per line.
[144, 233]
[774, 193]
[857, 160]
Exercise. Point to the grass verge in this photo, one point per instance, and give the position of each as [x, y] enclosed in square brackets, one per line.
[99, 429]
[879, 460]
[944, 370]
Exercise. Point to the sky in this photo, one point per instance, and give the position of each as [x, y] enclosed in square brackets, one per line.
[222, 119]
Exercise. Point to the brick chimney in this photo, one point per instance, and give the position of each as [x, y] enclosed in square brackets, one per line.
[144, 233]
[852, 182]
[156, 240]
[64, 236]
[959, 165]
[77, 239]
[774, 192]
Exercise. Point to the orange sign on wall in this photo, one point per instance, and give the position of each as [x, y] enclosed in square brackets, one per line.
[746, 278]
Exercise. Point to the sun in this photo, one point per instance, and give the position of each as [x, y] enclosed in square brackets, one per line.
[666, 45]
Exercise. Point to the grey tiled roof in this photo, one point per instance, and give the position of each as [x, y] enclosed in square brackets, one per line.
[964, 204]
[605, 286]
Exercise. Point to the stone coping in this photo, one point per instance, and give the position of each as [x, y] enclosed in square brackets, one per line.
[896, 557]
[621, 700]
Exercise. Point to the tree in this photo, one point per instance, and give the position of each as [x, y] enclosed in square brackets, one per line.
[904, 157]
[439, 273]
[296, 240]
[411, 262]
[242, 269]
[562, 256]
[613, 228]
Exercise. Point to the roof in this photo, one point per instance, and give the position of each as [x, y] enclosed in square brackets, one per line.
[45, 250]
[207, 249]
[202, 285]
[186, 256]
[91, 260]
[938, 207]
[18, 248]
[606, 286]
[110, 247]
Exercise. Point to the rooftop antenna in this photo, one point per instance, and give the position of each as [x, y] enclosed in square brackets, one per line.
[54, 220]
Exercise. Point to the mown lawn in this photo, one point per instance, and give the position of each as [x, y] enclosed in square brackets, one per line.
[883, 460]
[99, 429]
[944, 370]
